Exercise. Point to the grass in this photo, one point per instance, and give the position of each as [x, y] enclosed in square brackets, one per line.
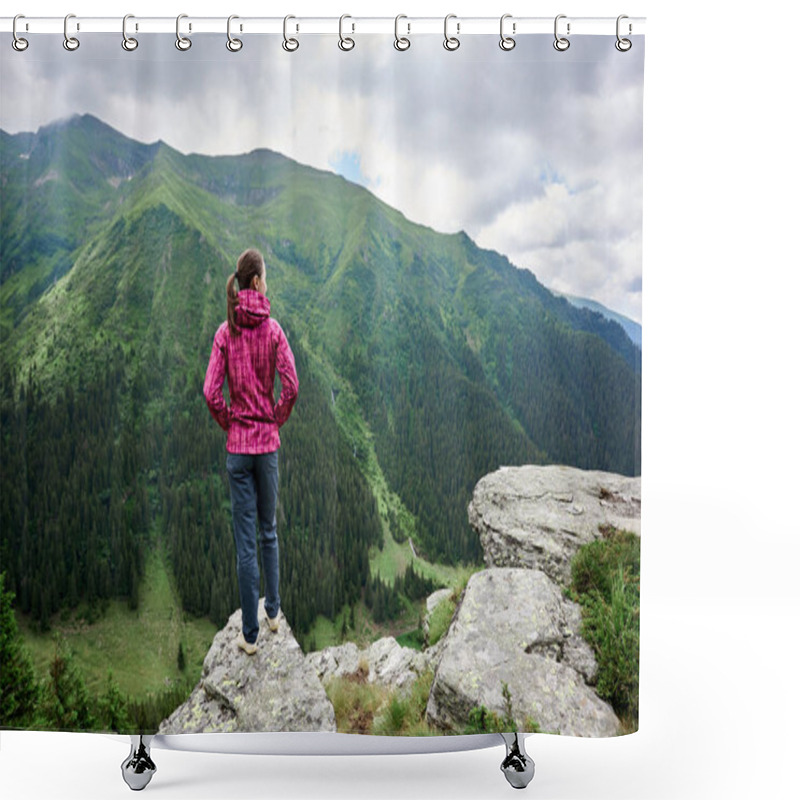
[328, 633]
[392, 560]
[369, 708]
[482, 720]
[356, 702]
[605, 581]
[443, 614]
[405, 628]
[414, 639]
[140, 647]
[440, 620]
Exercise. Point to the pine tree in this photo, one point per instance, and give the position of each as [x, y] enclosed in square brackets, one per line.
[19, 692]
[66, 700]
[113, 708]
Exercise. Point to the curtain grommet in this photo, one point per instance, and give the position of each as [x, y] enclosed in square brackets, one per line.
[183, 43]
[623, 45]
[129, 43]
[18, 43]
[401, 43]
[451, 43]
[70, 43]
[346, 43]
[507, 43]
[561, 43]
[233, 44]
[289, 44]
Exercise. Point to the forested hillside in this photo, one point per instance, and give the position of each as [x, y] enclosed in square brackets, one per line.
[424, 363]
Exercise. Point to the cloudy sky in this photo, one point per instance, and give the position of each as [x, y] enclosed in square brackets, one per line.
[534, 153]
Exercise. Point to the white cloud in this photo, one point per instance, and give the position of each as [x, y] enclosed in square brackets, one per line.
[534, 153]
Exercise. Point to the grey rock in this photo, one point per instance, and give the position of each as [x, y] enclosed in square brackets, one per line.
[434, 653]
[538, 516]
[273, 690]
[384, 662]
[340, 661]
[514, 626]
[390, 664]
[576, 650]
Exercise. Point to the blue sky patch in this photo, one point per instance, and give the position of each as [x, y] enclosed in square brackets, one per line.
[348, 165]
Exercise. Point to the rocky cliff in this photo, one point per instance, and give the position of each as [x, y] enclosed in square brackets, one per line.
[538, 517]
[273, 690]
[513, 627]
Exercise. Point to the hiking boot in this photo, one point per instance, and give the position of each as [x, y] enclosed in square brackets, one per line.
[273, 623]
[250, 649]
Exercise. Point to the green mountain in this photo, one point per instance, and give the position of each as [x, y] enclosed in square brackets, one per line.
[424, 363]
[632, 328]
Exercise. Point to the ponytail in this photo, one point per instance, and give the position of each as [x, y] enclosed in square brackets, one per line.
[249, 265]
[233, 301]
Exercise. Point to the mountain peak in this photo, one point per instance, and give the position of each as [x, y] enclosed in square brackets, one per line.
[86, 123]
[86, 151]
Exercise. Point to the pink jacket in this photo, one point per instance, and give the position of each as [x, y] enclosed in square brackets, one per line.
[249, 359]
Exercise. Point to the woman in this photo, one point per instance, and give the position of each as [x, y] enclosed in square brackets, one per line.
[248, 348]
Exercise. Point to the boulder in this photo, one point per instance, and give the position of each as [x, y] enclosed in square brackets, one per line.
[514, 626]
[339, 661]
[273, 690]
[384, 662]
[434, 653]
[538, 516]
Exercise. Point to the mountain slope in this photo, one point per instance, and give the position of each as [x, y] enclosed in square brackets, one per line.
[633, 329]
[424, 363]
[58, 186]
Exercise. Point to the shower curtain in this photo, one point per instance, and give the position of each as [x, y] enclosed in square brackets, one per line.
[451, 239]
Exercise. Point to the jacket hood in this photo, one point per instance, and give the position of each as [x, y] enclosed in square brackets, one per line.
[252, 310]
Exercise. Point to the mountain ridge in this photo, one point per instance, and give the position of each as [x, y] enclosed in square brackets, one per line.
[630, 326]
[264, 157]
[445, 360]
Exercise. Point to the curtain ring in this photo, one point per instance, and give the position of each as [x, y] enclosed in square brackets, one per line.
[70, 42]
[181, 42]
[18, 43]
[507, 42]
[401, 43]
[289, 45]
[623, 45]
[561, 43]
[233, 44]
[128, 42]
[451, 42]
[346, 43]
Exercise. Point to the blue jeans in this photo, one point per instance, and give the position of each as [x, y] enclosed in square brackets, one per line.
[253, 482]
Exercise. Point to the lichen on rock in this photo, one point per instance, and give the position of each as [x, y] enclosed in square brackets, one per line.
[273, 690]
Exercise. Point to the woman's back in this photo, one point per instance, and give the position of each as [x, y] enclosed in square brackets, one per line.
[248, 357]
